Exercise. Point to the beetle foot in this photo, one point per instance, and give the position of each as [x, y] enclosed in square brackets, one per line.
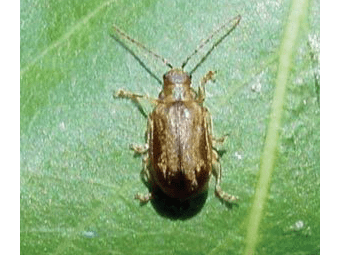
[209, 76]
[225, 196]
[144, 198]
[121, 93]
[139, 149]
[219, 140]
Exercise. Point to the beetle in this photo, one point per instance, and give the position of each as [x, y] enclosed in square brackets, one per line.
[179, 154]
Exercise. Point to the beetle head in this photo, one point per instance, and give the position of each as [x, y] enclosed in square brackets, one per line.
[177, 83]
[177, 77]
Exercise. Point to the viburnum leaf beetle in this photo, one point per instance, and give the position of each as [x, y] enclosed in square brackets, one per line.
[179, 151]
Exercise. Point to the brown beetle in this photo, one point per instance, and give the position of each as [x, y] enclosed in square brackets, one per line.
[180, 157]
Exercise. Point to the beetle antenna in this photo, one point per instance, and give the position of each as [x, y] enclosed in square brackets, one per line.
[235, 21]
[123, 34]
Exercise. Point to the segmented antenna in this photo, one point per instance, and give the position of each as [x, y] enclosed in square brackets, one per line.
[166, 62]
[236, 21]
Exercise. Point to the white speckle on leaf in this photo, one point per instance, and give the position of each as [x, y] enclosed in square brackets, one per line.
[314, 42]
[62, 126]
[238, 155]
[299, 81]
[297, 226]
[256, 87]
[89, 234]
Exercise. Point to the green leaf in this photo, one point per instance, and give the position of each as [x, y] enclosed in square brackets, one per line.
[78, 177]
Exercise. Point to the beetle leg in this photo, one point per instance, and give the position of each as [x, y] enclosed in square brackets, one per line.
[144, 198]
[139, 149]
[215, 141]
[121, 93]
[219, 140]
[145, 173]
[201, 89]
[135, 98]
[217, 172]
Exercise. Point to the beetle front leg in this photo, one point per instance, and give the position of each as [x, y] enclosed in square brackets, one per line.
[217, 172]
[135, 98]
[121, 93]
[201, 89]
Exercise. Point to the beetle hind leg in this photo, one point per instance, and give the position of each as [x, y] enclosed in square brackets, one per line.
[146, 178]
[219, 141]
[217, 172]
[144, 198]
[139, 149]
